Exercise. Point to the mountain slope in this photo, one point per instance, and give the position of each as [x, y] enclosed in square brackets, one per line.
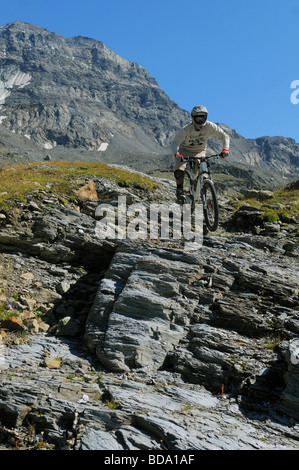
[278, 153]
[76, 92]
[80, 101]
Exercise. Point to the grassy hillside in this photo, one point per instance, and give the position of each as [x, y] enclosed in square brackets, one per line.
[282, 206]
[61, 178]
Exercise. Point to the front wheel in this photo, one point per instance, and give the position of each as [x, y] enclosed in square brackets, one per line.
[210, 205]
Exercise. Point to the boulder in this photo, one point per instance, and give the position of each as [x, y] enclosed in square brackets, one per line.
[260, 195]
[13, 324]
[68, 326]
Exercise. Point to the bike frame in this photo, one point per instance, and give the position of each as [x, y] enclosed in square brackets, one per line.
[196, 168]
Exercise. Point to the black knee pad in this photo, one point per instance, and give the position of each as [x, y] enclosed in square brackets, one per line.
[179, 174]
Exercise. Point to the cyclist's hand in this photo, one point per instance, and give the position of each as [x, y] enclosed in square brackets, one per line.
[224, 153]
[178, 155]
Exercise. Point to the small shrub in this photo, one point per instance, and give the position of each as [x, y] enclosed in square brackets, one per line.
[270, 217]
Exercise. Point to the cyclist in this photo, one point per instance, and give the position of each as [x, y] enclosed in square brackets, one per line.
[191, 141]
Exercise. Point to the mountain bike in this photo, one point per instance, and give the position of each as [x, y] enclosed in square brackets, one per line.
[198, 185]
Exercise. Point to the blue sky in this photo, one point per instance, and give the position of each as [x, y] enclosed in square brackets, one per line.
[238, 58]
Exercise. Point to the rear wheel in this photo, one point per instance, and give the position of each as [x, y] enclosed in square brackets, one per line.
[210, 205]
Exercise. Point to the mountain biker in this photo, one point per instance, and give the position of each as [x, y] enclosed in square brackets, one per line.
[191, 141]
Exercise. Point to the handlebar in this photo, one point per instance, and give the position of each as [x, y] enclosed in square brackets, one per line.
[213, 156]
[190, 159]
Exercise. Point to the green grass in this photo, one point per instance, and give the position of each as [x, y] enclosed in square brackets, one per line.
[112, 405]
[61, 178]
[283, 206]
[4, 312]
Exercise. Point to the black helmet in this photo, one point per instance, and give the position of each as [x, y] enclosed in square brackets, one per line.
[199, 115]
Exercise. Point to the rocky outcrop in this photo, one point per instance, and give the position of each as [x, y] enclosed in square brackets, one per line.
[207, 315]
[268, 214]
[137, 345]
[140, 295]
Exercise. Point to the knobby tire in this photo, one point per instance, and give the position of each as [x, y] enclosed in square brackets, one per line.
[211, 208]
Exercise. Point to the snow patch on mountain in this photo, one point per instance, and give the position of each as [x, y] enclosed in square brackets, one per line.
[19, 79]
[103, 147]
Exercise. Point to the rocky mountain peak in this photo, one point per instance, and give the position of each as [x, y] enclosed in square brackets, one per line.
[75, 93]
[78, 92]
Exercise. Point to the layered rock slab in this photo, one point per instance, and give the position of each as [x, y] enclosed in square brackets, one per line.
[142, 307]
[214, 316]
